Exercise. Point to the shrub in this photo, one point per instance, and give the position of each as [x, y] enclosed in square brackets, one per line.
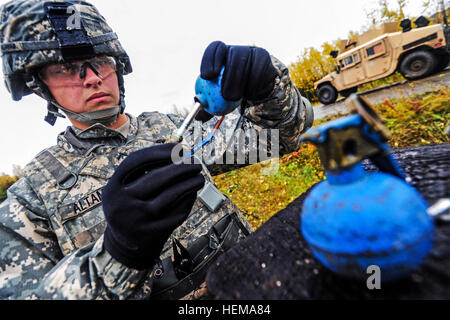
[5, 182]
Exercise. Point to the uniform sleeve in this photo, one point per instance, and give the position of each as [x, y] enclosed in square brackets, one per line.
[273, 125]
[91, 273]
[32, 265]
[285, 110]
[29, 247]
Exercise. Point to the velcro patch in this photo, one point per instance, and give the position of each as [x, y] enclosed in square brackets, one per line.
[84, 205]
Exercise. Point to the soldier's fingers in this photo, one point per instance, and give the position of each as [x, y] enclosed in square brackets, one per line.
[142, 161]
[236, 72]
[173, 197]
[154, 182]
[184, 207]
[213, 60]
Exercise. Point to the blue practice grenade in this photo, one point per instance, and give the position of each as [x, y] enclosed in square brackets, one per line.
[208, 97]
[208, 93]
[356, 219]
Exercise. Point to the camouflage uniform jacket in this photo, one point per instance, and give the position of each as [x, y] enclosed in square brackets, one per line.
[52, 236]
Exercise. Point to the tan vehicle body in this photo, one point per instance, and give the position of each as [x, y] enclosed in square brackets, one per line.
[381, 55]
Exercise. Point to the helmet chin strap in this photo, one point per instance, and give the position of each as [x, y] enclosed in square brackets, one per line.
[105, 116]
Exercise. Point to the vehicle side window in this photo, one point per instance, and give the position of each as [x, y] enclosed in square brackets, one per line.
[356, 57]
[375, 50]
[348, 60]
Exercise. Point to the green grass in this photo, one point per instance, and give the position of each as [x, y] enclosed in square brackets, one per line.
[414, 121]
[260, 196]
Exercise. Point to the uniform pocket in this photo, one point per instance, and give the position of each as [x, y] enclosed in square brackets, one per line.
[83, 220]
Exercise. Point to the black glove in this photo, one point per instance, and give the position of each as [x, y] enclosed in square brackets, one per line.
[144, 201]
[249, 73]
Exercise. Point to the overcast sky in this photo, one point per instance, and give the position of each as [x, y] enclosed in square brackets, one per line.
[165, 41]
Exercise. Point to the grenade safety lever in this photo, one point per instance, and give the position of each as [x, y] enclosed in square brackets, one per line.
[347, 141]
[355, 219]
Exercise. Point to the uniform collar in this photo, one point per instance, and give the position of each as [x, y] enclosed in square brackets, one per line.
[85, 141]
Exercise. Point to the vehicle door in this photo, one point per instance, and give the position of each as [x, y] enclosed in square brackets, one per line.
[351, 69]
[378, 59]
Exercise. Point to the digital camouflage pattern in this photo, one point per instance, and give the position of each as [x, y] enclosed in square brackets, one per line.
[53, 239]
[285, 110]
[52, 234]
[19, 63]
[26, 47]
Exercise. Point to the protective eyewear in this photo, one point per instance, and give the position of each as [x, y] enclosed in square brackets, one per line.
[73, 73]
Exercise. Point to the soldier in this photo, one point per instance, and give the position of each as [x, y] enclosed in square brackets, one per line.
[105, 213]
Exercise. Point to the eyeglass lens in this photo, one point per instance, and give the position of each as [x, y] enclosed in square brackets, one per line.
[76, 71]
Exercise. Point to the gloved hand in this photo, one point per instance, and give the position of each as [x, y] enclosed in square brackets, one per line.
[249, 73]
[144, 201]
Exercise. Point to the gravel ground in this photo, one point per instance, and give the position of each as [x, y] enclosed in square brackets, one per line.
[408, 88]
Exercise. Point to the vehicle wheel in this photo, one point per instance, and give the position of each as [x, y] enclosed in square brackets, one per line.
[442, 62]
[348, 92]
[418, 64]
[327, 94]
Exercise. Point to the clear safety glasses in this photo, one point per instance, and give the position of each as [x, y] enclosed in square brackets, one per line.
[73, 73]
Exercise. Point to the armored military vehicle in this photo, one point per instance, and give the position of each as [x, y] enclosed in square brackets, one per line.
[414, 52]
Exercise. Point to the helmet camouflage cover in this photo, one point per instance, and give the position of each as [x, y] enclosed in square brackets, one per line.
[35, 33]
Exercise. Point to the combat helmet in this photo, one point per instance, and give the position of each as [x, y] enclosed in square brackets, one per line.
[35, 33]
